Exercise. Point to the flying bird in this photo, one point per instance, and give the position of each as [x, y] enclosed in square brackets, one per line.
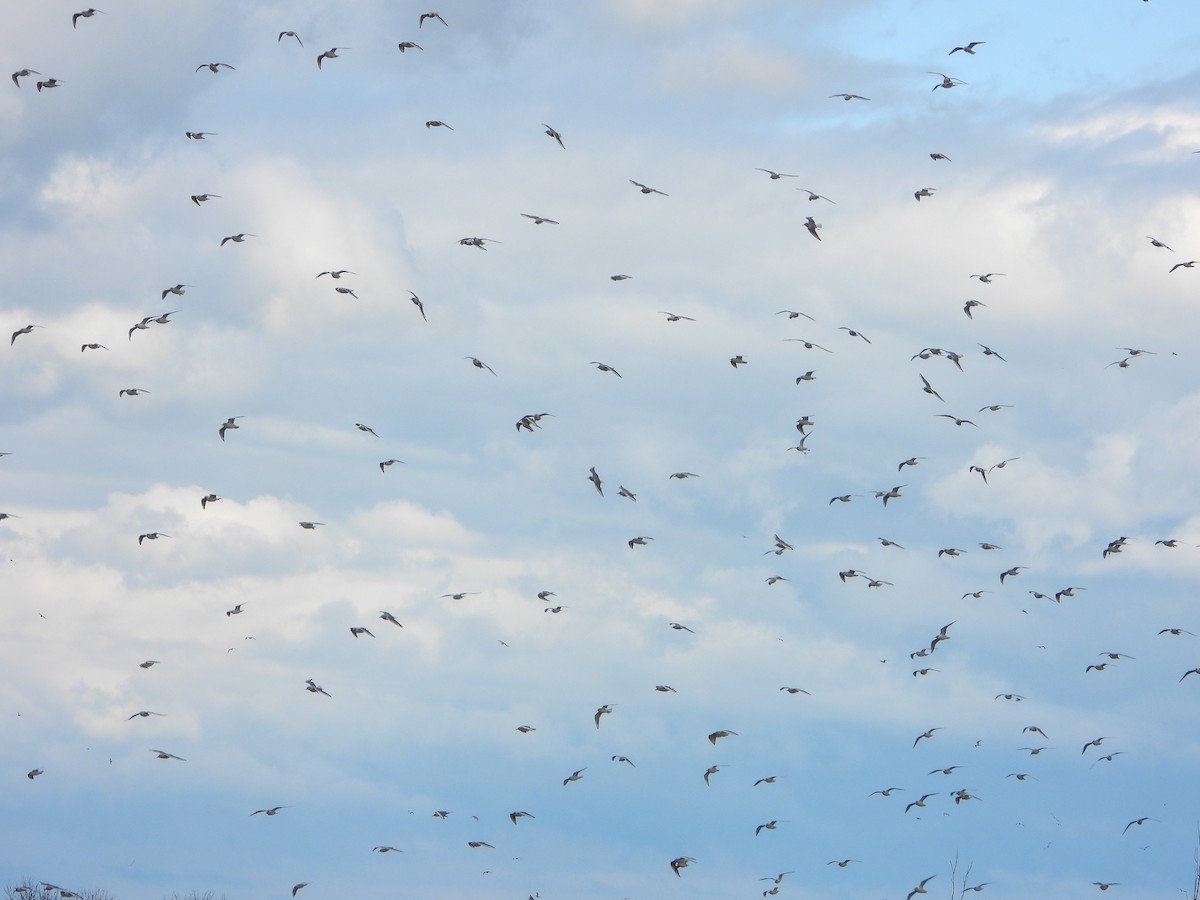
[416, 301]
[237, 238]
[28, 329]
[812, 225]
[849, 97]
[230, 423]
[310, 526]
[946, 82]
[551, 133]
[924, 192]
[646, 190]
[23, 73]
[595, 480]
[969, 48]
[540, 220]
[430, 15]
[390, 462]
[274, 810]
[920, 888]
[438, 123]
[163, 754]
[151, 536]
[290, 34]
[936, 156]
[86, 14]
[214, 67]
[331, 53]
[681, 862]
[1155, 242]
[48, 83]
[356, 630]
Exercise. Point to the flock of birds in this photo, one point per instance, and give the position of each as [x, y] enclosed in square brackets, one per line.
[806, 425]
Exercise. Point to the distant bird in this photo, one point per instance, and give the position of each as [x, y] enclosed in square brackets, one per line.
[430, 15]
[717, 735]
[770, 779]
[86, 14]
[356, 630]
[769, 826]
[331, 53]
[459, 596]
[388, 617]
[672, 317]
[28, 329]
[1093, 743]
[551, 133]
[390, 462]
[366, 429]
[475, 845]
[336, 273]
[48, 83]
[920, 888]
[812, 226]
[969, 48]
[237, 610]
[1010, 573]
[540, 220]
[151, 536]
[681, 862]
[841, 863]
[179, 289]
[131, 392]
[1105, 885]
[986, 277]
[793, 314]
[623, 759]
[296, 888]
[290, 34]
[274, 810]
[853, 333]
[925, 735]
[574, 776]
[237, 238]
[408, 45]
[924, 192]
[928, 388]
[310, 526]
[970, 305]
[775, 176]
[678, 627]
[198, 135]
[525, 729]
[920, 804]
[809, 345]
[813, 195]
[1142, 821]
[623, 491]
[796, 690]
[988, 351]
[213, 67]
[887, 543]
[595, 480]
[23, 73]
[947, 82]
[1155, 242]
[849, 97]
[472, 241]
[646, 190]
[1195, 671]
[887, 792]
[1180, 265]
[1017, 697]
[665, 689]
[416, 301]
[144, 714]
[520, 814]
[479, 364]
[956, 420]
[936, 156]
[386, 850]
[619, 277]
[230, 423]
[639, 541]
[603, 710]
[438, 123]
[313, 688]
[163, 754]
[34, 773]
[203, 198]
[711, 770]
[148, 663]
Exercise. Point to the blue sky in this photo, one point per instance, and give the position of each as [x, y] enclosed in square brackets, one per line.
[1070, 142]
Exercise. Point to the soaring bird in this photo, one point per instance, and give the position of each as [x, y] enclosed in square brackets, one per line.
[230, 423]
[151, 536]
[207, 499]
[925, 735]
[1155, 242]
[144, 714]
[366, 429]
[236, 611]
[936, 156]
[479, 364]
[270, 812]
[28, 329]
[551, 133]
[430, 15]
[331, 53]
[198, 135]
[290, 34]
[811, 224]
[986, 277]
[131, 392]
[416, 301]
[388, 617]
[356, 630]
[595, 480]
[438, 123]
[969, 48]
[681, 862]
[924, 192]
[237, 238]
[920, 803]
[86, 14]
[213, 67]
[310, 526]
[54, 82]
[717, 735]
[23, 73]
[646, 190]
[920, 888]
[603, 710]
[409, 45]
[34, 773]
[203, 198]
[849, 97]
[775, 176]
[163, 754]
[390, 462]
[574, 776]
[947, 82]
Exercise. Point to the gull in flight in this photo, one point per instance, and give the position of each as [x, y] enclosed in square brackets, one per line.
[331, 53]
[646, 190]
[969, 48]
[23, 73]
[540, 220]
[793, 314]
[623, 491]
[920, 888]
[356, 630]
[775, 176]
[207, 499]
[811, 224]
[813, 195]
[270, 812]
[970, 305]
[416, 301]
[151, 536]
[214, 67]
[918, 803]
[231, 422]
[409, 45]
[624, 759]
[924, 192]
[364, 428]
[988, 351]
[163, 754]
[603, 710]
[604, 367]
[946, 82]
[430, 15]
[936, 156]
[310, 526]
[336, 273]
[459, 595]
[717, 735]
[314, 688]
[479, 364]
[237, 238]
[1181, 265]
[390, 462]
[34, 773]
[474, 241]
[681, 862]
[202, 198]
[849, 97]
[672, 317]
[853, 333]
[179, 289]
[639, 541]
[986, 277]
[198, 135]
[595, 480]
[388, 617]
[551, 133]
[28, 329]
[1155, 242]
[148, 663]
[48, 83]
[132, 392]
[86, 14]
[236, 611]
[574, 776]
[145, 714]
[291, 34]
[437, 123]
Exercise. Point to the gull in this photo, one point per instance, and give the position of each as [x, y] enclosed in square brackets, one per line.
[513, 816]
[1142, 821]
[986, 277]
[1105, 885]
[775, 176]
[603, 367]
[207, 499]
[945, 771]
[1115, 656]
[213, 67]
[885, 542]
[364, 428]
[1095, 743]
[711, 770]
[416, 301]
[1070, 592]
[841, 498]
[437, 123]
[310, 526]
[683, 475]
[982, 472]
[314, 688]
[672, 317]
[639, 541]
[145, 714]
[777, 879]
[34, 773]
[540, 220]
[920, 888]
[947, 82]
[1180, 265]
[1175, 631]
[336, 273]
[811, 224]
[291, 34]
[912, 460]
[976, 594]
[1099, 668]
[48, 83]
[237, 610]
[624, 759]
[23, 73]
[477, 363]
[475, 845]
[809, 345]
[850, 573]
[941, 636]
[386, 850]
[270, 812]
[887, 792]
[525, 729]
[230, 423]
[603, 710]
[665, 689]
[390, 462]
[1133, 351]
[442, 814]
[936, 156]
[202, 198]
[646, 190]
[1195, 671]
[893, 494]
[925, 735]
[678, 627]
[132, 392]
[924, 192]
[969, 48]
[917, 803]
[595, 480]
[1114, 547]
[961, 794]
[148, 663]
[623, 491]
[356, 630]
[770, 826]
[460, 595]
[924, 672]
[86, 14]
[574, 776]
[198, 135]
[1155, 242]
[813, 195]
[776, 578]
[1010, 573]
[472, 241]
[28, 329]
[928, 388]
[151, 536]
[717, 735]
[957, 421]
[796, 690]
[853, 333]
[952, 552]
[409, 45]
[619, 277]
[995, 407]
[971, 304]
[793, 314]
[430, 15]
[163, 754]
[807, 376]
[681, 862]
[770, 779]
[164, 319]
[331, 53]
[296, 888]
[388, 617]
[849, 97]
[237, 238]
[551, 133]
[842, 863]
[179, 289]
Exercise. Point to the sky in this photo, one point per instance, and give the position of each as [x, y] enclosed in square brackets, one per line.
[1071, 136]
